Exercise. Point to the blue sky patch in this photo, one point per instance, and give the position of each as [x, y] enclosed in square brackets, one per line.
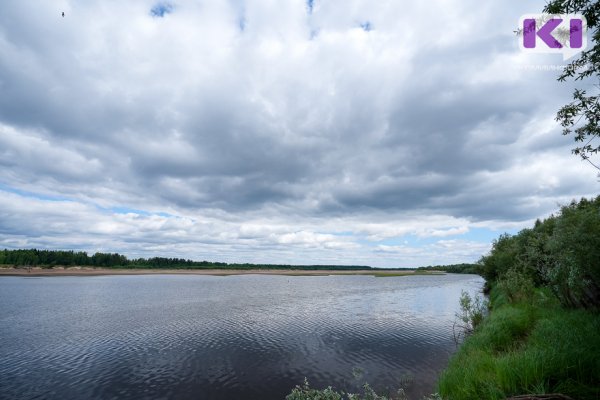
[160, 9]
[128, 210]
[366, 26]
[486, 235]
[32, 195]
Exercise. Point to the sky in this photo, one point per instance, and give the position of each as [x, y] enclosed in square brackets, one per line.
[388, 133]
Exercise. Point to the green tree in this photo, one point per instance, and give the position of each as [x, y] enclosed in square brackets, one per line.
[575, 247]
[581, 117]
[502, 257]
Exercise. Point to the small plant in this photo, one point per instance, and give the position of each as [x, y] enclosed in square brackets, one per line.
[369, 394]
[433, 396]
[471, 315]
[305, 392]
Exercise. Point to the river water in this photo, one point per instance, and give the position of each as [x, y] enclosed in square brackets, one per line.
[231, 337]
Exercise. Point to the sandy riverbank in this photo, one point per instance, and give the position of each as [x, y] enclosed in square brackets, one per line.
[86, 271]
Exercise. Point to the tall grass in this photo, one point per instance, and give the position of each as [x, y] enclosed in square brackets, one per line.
[526, 347]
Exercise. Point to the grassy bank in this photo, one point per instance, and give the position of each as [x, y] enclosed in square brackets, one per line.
[530, 346]
[543, 331]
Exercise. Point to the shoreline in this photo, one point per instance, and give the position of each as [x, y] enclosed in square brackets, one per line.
[88, 271]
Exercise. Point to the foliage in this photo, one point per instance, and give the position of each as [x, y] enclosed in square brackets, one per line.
[502, 258]
[463, 268]
[582, 116]
[471, 315]
[574, 274]
[527, 347]
[50, 258]
[517, 286]
[305, 392]
[561, 252]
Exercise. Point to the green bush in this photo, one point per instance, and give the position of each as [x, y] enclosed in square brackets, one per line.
[561, 252]
[305, 392]
[516, 285]
[502, 257]
[472, 312]
[574, 274]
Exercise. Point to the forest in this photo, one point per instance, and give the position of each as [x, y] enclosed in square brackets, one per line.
[463, 268]
[62, 258]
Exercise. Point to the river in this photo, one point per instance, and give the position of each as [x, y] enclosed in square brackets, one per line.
[223, 337]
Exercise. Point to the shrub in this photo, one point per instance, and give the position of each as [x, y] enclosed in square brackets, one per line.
[561, 252]
[516, 286]
[305, 392]
[574, 274]
[502, 257]
[471, 315]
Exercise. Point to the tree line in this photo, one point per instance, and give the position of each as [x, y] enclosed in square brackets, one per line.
[463, 268]
[70, 258]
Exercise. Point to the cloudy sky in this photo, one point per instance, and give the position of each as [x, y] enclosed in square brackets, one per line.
[386, 133]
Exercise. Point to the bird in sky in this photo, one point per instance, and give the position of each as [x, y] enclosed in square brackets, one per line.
[63, 14]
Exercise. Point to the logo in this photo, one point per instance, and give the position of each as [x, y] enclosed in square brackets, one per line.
[564, 34]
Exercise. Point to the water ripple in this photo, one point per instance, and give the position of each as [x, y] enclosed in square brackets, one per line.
[222, 337]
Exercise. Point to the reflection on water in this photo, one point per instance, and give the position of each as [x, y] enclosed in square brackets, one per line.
[204, 337]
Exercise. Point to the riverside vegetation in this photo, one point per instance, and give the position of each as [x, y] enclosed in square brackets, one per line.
[542, 332]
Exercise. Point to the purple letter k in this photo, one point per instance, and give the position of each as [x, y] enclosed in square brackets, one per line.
[545, 33]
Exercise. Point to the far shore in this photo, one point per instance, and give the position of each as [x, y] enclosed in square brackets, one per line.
[89, 271]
